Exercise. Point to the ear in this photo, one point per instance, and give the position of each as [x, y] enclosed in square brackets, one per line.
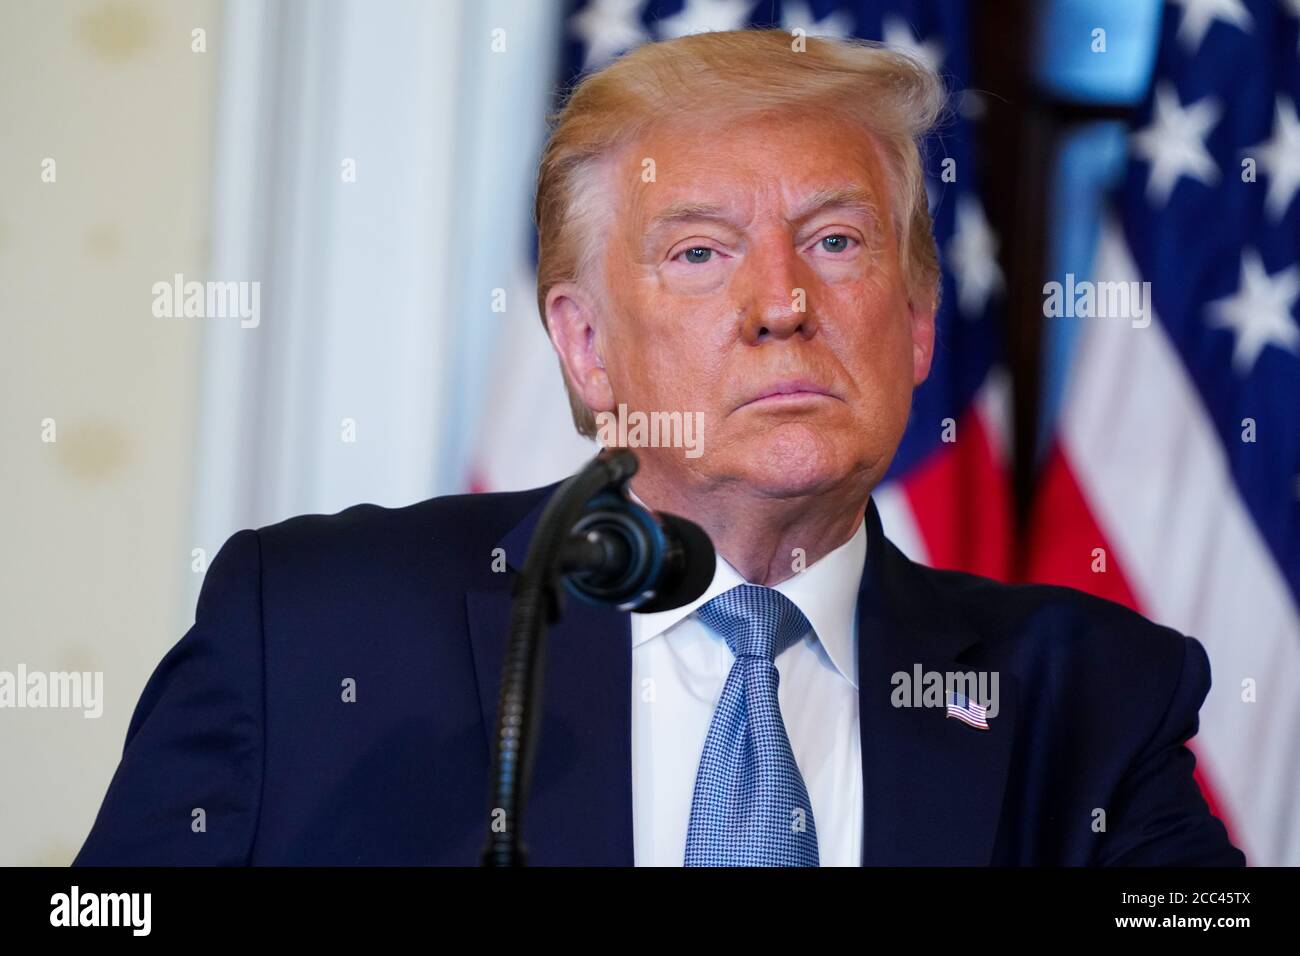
[922, 319]
[573, 325]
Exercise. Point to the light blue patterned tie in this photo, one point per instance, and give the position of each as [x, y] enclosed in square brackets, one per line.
[750, 806]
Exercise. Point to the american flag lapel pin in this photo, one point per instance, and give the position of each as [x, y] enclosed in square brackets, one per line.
[967, 711]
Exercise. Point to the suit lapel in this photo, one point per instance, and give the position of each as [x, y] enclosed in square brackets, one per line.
[932, 785]
[579, 806]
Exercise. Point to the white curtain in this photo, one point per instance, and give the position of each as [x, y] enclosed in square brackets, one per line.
[373, 172]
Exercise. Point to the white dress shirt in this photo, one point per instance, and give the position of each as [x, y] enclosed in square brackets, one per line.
[679, 667]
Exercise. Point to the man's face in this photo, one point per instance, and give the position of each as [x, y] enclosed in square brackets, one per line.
[756, 280]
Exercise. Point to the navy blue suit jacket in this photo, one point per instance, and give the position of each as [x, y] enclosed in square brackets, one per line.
[245, 718]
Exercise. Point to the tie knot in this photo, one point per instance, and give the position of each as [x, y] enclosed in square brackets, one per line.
[755, 621]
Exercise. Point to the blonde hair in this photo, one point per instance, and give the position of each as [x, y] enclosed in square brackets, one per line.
[888, 94]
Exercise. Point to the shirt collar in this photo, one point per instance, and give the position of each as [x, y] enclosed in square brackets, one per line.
[826, 592]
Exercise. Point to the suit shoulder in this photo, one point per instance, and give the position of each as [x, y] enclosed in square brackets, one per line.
[1065, 617]
[437, 534]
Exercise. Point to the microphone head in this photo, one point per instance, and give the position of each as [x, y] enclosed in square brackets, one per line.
[693, 563]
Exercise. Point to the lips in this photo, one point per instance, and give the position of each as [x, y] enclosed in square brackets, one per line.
[789, 391]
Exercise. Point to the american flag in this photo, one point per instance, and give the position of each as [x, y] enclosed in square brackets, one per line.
[1174, 481]
[946, 501]
[967, 711]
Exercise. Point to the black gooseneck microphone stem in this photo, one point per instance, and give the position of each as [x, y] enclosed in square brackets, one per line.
[536, 607]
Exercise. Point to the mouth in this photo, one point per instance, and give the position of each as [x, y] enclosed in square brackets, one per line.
[789, 393]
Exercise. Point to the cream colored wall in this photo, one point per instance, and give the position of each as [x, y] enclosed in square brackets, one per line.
[93, 527]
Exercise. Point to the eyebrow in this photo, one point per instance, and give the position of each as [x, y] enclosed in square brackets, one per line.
[850, 198]
[689, 211]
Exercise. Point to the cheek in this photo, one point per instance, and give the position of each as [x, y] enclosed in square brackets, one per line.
[869, 327]
[665, 359]
[670, 347]
[875, 352]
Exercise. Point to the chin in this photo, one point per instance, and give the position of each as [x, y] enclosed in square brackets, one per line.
[796, 459]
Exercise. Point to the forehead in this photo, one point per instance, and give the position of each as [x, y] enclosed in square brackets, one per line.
[770, 163]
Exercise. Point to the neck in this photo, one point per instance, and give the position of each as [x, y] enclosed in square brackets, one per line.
[766, 539]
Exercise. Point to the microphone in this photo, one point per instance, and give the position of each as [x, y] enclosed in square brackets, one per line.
[637, 560]
[607, 550]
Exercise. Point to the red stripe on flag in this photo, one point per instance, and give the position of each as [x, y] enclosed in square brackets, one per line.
[962, 505]
[1064, 538]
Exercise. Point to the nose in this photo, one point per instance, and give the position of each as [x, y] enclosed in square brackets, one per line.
[776, 293]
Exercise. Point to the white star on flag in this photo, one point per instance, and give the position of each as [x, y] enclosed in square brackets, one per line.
[973, 254]
[608, 28]
[1199, 15]
[706, 16]
[1280, 158]
[1174, 143]
[1260, 312]
[899, 36]
[796, 15]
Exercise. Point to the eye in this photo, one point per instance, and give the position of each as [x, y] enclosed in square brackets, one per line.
[836, 243]
[696, 255]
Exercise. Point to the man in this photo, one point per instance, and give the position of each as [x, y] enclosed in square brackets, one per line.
[731, 226]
